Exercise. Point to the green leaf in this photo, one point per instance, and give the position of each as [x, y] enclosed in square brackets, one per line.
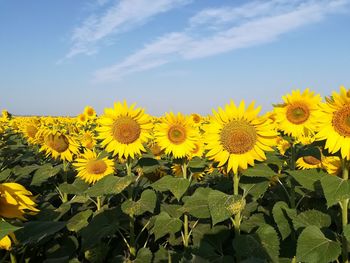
[311, 218]
[177, 186]
[335, 189]
[147, 203]
[164, 225]
[79, 221]
[254, 186]
[197, 163]
[263, 244]
[144, 255]
[197, 204]
[282, 219]
[78, 187]
[346, 232]
[148, 165]
[259, 170]
[109, 185]
[33, 232]
[308, 178]
[5, 174]
[43, 173]
[7, 228]
[313, 246]
[223, 206]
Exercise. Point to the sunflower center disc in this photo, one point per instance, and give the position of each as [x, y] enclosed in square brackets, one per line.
[177, 134]
[341, 121]
[311, 160]
[59, 143]
[238, 137]
[298, 113]
[96, 167]
[31, 131]
[126, 130]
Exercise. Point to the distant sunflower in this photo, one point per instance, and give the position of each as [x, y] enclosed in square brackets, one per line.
[82, 118]
[88, 140]
[176, 135]
[59, 145]
[308, 162]
[91, 167]
[335, 123]
[124, 130]
[237, 136]
[198, 150]
[299, 113]
[30, 130]
[90, 112]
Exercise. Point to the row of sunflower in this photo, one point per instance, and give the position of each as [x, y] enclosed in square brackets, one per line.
[258, 175]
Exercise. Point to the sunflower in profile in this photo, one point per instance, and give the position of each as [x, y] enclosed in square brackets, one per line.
[90, 112]
[123, 130]
[334, 126]
[298, 114]
[308, 162]
[176, 135]
[59, 145]
[198, 151]
[92, 167]
[237, 136]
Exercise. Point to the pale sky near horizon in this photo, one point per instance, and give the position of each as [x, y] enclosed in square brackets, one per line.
[168, 55]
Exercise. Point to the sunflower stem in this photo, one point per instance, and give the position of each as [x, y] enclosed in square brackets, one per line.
[292, 167]
[65, 179]
[237, 219]
[344, 211]
[98, 203]
[13, 258]
[132, 247]
[186, 234]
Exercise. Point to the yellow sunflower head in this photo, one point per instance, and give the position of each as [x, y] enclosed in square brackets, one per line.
[59, 145]
[176, 135]
[237, 136]
[5, 114]
[298, 114]
[198, 150]
[90, 112]
[91, 167]
[332, 164]
[334, 123]
[16, 201]
[308, 162]
[282, 145]
[124, 130]
[88, 140]
[82, 118]
[30, 130]
[196, 118]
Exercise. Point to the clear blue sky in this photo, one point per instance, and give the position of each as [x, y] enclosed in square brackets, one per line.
[180, 55]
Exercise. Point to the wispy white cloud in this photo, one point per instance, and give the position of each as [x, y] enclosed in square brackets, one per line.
[118, 17]
[218, 30]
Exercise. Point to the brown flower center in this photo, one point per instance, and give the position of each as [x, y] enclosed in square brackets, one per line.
[126, 130]
[59, 143]
[31, 131]
[298, 113]
[238, 137]
[311, 160]
[177, 134]
[96, 167]
[341, 121]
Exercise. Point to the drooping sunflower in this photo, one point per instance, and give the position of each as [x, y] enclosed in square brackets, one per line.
[308, 162]
[91, 167]
[298, 114]
[176, 135]
[334, 123]
[15, 201]
[124, 130]
[237, 136]
[59, 145]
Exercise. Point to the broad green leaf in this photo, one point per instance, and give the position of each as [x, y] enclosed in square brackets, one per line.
[78, 221]
[78, 187]
[197, 204]
[311, 218]
[313, 246]
[144, 255]
[177, 186]
[109, 185]
[260, 170]
[7, 228]
[282, 219]
[223, 206]
[164, 225]
[335, 189]
[308, 178]
[196, 163]
[45, 172]
[5, 174]
[264, 244]
[254, 186]
[146, 203]
[148, 165]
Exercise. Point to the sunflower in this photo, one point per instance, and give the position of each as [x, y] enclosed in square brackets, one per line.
[282, 145]
[237, 136]
[30, 129]
[176, 135]
[332, 164]
[5, 243]
[59, 145]
[82, 118]
[124, 130]
[15, 201]
[298, 114]
[92, 167]
[198, 150]
[90, 112]
[308, 162]
[334, 126]
[88, 140]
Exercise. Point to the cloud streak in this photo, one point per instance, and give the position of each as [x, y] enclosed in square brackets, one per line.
[118, 17]
[219, 30]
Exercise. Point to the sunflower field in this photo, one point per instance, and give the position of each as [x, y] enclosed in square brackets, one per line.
[233, 186]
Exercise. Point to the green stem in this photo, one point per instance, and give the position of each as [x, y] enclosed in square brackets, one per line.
[237, 219]
[186, 235]
[132, 246]
[344, 208]
[99, 203]
[65, 179]
[13, 258]
[292, 167]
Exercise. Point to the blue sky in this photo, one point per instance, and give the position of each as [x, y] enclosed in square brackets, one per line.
[168, 55]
